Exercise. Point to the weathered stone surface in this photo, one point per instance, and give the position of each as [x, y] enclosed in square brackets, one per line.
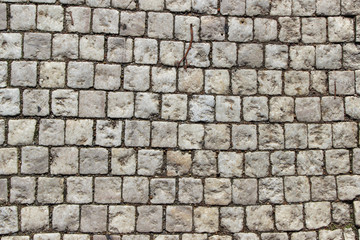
[317, 214]
[217, 191]
[179, 218]
[107, 190]
[93, 218]
[178, 163]
[162, 191]
[190, 190]
[289, 217]
[206, 219]
[9, 220]
[140, 185]
[34, 218]
[149, 219]
[244, 191]
[271, 190]
[79, 189]
[260, 218]
[121, 219]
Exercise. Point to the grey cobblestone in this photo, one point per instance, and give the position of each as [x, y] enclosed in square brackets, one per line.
[179, 119]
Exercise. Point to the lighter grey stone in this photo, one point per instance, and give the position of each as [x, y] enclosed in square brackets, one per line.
[204, 163]
[348, 186]
[9, 220]
[80, 74]
[163, 79]
[178, 219]
[260, 218]
[257, 164]
[174, 107]
[21, 131]
[271, 190]
[199, 55]
[271, 136]
[93, 161]
[35, 102]
[93, 218]
[92, 47]
[162, 191]
[120, 49]
[22, 17]
[190, 190]
[50, 18]
[224, 54]
[157, 19]
[265, 29]
[149, 219]
[297, 189]
[34, 218]
[230, 164]
[146, 51]
[201, 108]
[182, 27]
[255, 108]
[79, 132]
[11, 45]
[121, 219]
[289, 217]
[345, 135]
[66, 217]
[80, 20]
[191, 136]
[135, 189]
[79, 189]
[23, 73]
[149, 162]
[105, 21]
[22, 190]
[137, 133]
[270, 82]
[64, 102]
[231, 218]
[244, 191]
[10, 102]
[52, 74]
[206, 219]
[217, 191]
[64, 160]
[317, 214]
[123, 161]
[244, 137]
[310, 162]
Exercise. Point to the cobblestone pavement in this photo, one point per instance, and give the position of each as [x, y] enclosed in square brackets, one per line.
[106, 135]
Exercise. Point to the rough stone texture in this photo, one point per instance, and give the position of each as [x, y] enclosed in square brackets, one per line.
[260, 218]
[179, 119]
[9, 220]
[121, 219]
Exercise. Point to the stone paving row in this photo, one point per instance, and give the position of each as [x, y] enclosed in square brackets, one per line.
[105, 135]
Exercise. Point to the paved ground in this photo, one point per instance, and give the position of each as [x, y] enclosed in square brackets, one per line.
[107, 132]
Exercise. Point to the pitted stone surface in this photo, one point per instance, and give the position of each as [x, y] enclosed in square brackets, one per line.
[108, 133]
